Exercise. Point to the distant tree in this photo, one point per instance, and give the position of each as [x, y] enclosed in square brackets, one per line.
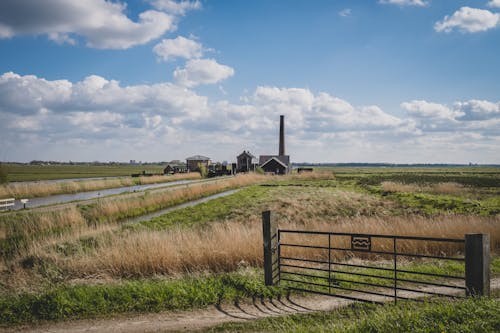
[259, 170]
[203, 170]
[3, 174]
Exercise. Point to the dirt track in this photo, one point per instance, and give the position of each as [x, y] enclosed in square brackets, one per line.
[198, 319]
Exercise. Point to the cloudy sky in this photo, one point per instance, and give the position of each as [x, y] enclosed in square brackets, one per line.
[404, 81]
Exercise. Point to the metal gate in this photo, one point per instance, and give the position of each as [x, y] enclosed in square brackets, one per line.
[371, 267]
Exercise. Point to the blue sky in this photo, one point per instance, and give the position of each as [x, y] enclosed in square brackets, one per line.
[405, 81]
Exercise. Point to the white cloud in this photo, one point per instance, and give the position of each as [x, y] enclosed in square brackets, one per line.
[28, 94]
[494, 4]
[103, 24]
[417, 3]
[202, 71]
[424, 109]
[345, 12]
[478, 109]
[468, 19]
[98, 118]
[174, 7]
[180, 47]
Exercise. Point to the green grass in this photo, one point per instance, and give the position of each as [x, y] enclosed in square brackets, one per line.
[427, 203]
[63, 301]
[90, 301]
[469, 176]
[21, 172]
[469, 315]
[218, 209]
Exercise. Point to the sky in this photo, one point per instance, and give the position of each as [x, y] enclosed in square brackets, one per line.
[395, 81]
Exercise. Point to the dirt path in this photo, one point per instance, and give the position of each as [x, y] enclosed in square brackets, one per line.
[198, 319]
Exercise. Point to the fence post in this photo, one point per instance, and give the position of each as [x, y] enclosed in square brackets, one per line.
[269, 229]
[477, 264]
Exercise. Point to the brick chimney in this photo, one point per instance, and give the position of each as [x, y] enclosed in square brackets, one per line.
[282, 136]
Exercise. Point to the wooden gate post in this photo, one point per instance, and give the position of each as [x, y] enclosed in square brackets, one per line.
[269, 230]
[477, 264]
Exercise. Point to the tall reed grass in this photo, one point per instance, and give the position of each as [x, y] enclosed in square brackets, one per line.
[113, 209]
[36, 224]
[225, 246]
[44, 188]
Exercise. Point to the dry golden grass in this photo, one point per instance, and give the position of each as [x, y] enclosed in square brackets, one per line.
[113, 208]
[223, 246]
[110, 210]
[41, 189]
[315, 175]
[26, 224]
[439, 188]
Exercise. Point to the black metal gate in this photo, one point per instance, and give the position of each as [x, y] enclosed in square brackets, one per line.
[375, 268]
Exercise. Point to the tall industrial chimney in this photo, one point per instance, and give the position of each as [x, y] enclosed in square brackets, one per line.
[282, 135]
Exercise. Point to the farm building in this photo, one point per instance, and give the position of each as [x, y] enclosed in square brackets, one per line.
[193, 163]
[175, 167]
[245, 162]
[277, 164]
[274, 164]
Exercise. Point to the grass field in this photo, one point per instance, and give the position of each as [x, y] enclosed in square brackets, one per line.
[22, 172]
[54, 264]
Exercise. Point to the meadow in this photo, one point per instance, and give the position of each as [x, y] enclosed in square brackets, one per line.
[86, 261]
[25, 172]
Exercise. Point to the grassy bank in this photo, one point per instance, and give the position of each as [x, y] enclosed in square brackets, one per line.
[470, 315]
[65, 301]
[20, 229]
[91, 301]
[42, 189]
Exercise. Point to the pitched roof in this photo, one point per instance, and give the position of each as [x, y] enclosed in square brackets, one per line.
[246, 153]
[285, 159]
[198, 158]
[274, 158]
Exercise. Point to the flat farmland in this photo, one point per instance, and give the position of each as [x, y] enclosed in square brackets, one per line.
[22, 172]
[87, 262]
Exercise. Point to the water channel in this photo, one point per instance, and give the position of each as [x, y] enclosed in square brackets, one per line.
[62, 198]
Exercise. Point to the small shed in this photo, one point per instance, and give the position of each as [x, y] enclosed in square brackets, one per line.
[193, 163]
[274, 165]
[245, 162]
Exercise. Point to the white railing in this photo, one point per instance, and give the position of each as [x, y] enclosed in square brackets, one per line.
[6, 204]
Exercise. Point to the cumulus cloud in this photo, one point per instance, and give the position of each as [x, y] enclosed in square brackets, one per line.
[468, 19]
[103, 24]
[478, 109]
[180, 47]
[494, 4]
[424, 109]
[102, 119]
[174, 7]
[28, 94]
[202, 71]
[417, 3]
[465, 116]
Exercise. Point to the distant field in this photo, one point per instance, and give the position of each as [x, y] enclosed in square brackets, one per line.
[18, 173]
